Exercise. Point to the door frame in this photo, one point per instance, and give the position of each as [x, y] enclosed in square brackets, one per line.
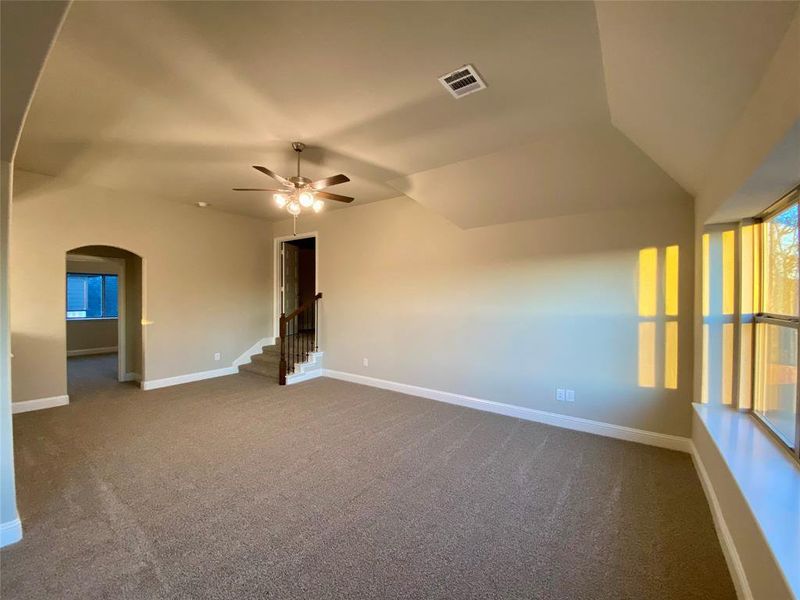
[276, 274]
[122, 303]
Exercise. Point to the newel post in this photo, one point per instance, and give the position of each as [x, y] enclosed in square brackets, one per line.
[282, 366]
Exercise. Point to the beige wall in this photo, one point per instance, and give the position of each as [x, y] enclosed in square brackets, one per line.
[8, 498]
[92, 334]
[504, 313]
[206, 278]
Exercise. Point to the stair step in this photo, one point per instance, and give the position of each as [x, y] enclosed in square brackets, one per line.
[259, 369]
[266, 359]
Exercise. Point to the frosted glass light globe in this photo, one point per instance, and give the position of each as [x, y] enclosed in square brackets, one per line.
[306, 199]
[294, 208]
[318, 205]
[280, 200]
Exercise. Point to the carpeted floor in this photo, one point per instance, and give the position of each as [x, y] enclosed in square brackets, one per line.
[237, 488]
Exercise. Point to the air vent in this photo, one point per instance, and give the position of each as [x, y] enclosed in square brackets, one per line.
[463, 81]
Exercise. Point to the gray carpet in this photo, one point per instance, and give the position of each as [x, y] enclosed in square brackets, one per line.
[237, 488]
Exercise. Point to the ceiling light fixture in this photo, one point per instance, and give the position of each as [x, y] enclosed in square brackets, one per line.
[300, 192]
[202, 204]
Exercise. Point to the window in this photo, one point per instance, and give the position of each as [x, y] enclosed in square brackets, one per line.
[775, 365]
[91, 296]
[751, 318]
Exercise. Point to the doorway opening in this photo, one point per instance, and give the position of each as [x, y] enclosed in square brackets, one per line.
[103, 302]
[296, 273]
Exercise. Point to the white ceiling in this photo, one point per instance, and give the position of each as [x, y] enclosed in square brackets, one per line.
[179, 99]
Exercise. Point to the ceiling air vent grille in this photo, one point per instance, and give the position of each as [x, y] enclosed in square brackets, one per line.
[463, 81]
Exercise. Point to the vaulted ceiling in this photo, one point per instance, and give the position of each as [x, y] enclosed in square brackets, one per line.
[587, 107]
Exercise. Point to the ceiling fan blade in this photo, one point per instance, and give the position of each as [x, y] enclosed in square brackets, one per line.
[329, 181]
[275, 176]
[257, 190]
[337, 197]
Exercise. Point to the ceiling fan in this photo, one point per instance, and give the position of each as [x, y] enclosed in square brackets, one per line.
[300, 192]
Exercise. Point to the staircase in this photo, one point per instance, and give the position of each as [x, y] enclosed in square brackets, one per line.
[296, 356]
[267, 364]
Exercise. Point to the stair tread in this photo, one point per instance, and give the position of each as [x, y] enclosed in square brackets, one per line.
[257, 368]
[266, 358]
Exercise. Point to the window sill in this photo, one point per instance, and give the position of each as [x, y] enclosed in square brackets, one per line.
[92, 319]
[768, 478]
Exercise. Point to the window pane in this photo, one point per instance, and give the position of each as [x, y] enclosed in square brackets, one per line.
[94, 306]
[781, 263]
[76, 293]
[776, 378]
[110, 302]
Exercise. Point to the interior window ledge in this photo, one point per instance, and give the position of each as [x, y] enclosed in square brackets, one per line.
[768, 477]
[92, 318]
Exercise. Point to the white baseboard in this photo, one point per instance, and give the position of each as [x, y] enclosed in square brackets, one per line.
[651, 438]
[304, 376]
[10, 532]
[735, 565]
[38, 404]
[252, 350]
[88, 351]
[154, 384]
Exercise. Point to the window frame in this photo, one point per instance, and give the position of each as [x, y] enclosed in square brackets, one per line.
[103, 316]
[768, 318]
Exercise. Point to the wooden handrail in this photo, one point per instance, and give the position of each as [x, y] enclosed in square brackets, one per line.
[303, 308]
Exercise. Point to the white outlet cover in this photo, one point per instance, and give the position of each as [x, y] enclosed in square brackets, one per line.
[366, 362]
[560, 394]
[217, 356]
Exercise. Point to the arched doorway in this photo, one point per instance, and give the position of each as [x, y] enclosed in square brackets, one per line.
[103, 318]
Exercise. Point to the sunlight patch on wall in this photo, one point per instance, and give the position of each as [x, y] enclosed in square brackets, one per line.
[746, 367]
[704, 382]
[671, 263]
[647, 354]
[648, 282]
[658, 301]
[728, 271]
[727, 363]
[671, 355]
[706, 275]
[746, 298]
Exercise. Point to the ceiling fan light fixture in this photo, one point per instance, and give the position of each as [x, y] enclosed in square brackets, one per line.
[299, 192]
[306, 199]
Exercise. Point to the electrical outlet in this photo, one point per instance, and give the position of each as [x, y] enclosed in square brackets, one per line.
[560, 396]
[217, 356]
[366, 362]
[570, 396]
